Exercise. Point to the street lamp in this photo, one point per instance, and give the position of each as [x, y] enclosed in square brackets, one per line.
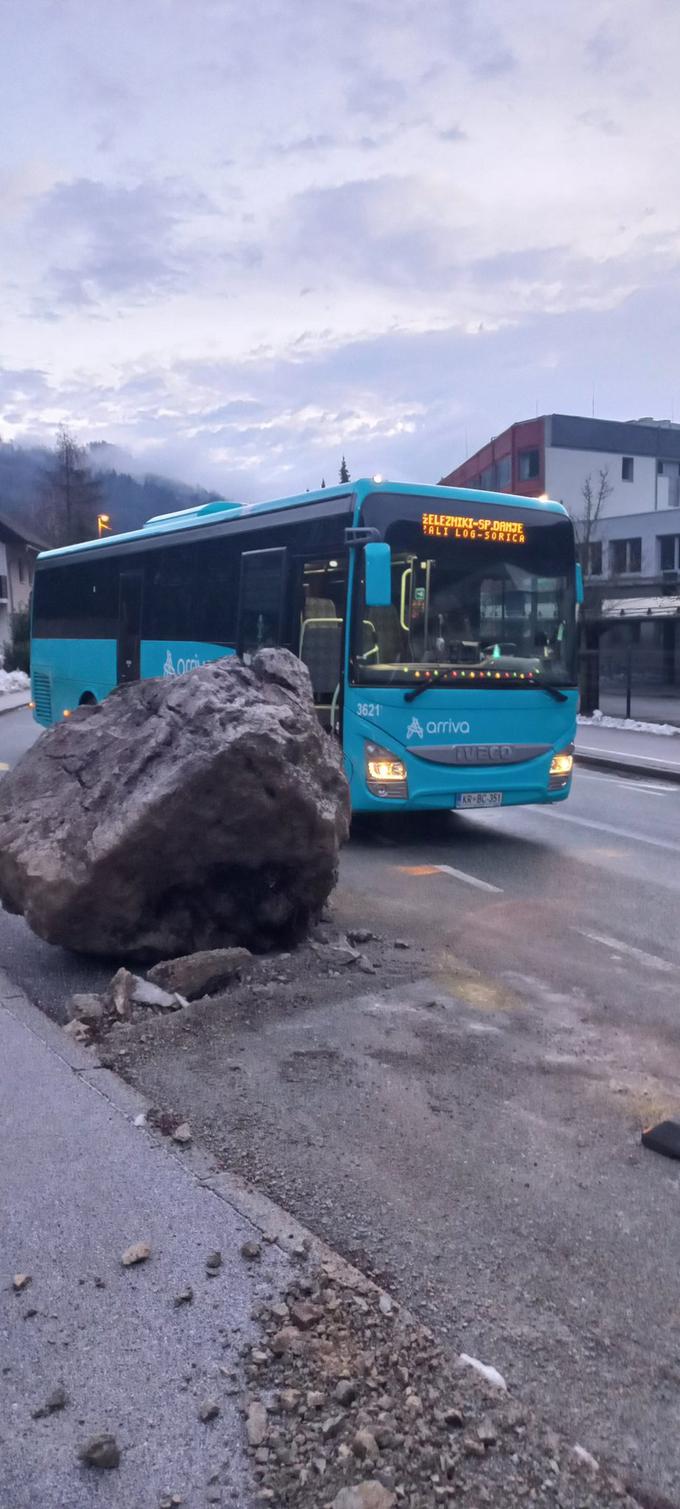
[103, 524]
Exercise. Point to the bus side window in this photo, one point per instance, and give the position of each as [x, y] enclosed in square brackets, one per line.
[261, 599]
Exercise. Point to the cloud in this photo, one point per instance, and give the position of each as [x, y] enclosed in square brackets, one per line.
[320, 141]
[112, 240]
[253, 235]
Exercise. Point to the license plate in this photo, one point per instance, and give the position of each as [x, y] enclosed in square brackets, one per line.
[480, 799]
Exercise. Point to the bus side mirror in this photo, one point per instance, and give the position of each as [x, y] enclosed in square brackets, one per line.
[378, 564]
[579, 584]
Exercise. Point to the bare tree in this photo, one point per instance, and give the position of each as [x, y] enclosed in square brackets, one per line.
[344, 473]
[594, 493]
[72, 496]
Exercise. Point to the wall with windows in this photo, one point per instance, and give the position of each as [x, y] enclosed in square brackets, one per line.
[637, 547]
[631, 478]
[4, 597]
[16, 579]
[511, 462]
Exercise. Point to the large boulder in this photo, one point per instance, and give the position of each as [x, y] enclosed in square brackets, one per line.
[192, 813]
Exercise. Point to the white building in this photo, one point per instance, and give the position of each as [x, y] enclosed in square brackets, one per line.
[633, 561]
[17, 563]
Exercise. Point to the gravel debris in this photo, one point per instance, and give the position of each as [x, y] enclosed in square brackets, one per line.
[138, 1253]
[100, 1451]
[57, 1400]
[362, 1409]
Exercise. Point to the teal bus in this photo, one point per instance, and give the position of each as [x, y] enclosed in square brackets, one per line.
[438, 626]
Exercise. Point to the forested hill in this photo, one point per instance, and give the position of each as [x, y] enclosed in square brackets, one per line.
[129, 500]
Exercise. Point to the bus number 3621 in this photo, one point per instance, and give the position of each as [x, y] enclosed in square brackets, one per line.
[369, 709]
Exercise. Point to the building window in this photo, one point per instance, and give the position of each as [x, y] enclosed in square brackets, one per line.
[504, 474]
[669, 549]
[625, 556]
[3, 589]
[659, 468]
[22, 572]
[529, 465]
[488, 477]
[594, 567]
[627, 468]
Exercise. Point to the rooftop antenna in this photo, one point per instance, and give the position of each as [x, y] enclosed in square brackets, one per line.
[593, 403]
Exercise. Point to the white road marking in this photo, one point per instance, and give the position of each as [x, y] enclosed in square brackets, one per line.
[658, 789]
[639, 759]
[652, 960]
[482, 885]
[626, 833]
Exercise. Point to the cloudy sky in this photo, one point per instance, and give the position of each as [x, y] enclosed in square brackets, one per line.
[240, 239]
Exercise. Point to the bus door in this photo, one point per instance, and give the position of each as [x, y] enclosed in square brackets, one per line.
[322, 622]
[129, 625]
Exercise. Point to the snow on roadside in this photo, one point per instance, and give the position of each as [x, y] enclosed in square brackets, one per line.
[12, 682]
[630, 725]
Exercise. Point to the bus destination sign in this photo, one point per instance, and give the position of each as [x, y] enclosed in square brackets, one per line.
[447, 526]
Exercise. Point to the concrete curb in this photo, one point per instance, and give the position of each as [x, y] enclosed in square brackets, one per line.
[621, 765]
[274, 1225]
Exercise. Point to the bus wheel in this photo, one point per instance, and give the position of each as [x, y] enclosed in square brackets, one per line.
[88, 699]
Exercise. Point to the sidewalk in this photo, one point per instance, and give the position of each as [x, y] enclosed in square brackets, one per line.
[80, 1183]
[628, 752]
[12, 700]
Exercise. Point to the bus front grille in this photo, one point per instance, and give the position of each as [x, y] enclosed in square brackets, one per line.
[42, 696]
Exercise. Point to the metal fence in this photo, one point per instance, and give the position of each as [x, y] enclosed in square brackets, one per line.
[639, 681]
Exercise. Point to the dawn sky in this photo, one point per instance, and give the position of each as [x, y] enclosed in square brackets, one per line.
[241, 239]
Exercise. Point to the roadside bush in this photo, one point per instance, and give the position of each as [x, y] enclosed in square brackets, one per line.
[17, 650]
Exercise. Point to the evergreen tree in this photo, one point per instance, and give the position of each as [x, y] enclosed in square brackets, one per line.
[323, 481]
[344, 474]
[72, 497]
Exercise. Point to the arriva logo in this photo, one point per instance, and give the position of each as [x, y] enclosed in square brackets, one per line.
[447, 726]
[415, 729]
[184, 663]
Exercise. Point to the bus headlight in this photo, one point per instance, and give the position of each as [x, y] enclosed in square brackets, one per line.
[385, 775]
[561, 767]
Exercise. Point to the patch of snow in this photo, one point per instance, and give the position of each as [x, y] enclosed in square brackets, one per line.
[13, 681]
[629, 725]
[484, 1369]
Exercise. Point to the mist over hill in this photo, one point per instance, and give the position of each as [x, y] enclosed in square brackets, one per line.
[129, 493]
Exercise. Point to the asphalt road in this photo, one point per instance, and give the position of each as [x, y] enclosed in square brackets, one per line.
[481, 1152]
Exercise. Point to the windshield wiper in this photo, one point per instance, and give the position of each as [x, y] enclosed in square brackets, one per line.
[543, 686]
[553, 691]
[417, 691]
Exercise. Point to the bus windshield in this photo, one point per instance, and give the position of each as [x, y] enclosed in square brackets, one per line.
[476, 601]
